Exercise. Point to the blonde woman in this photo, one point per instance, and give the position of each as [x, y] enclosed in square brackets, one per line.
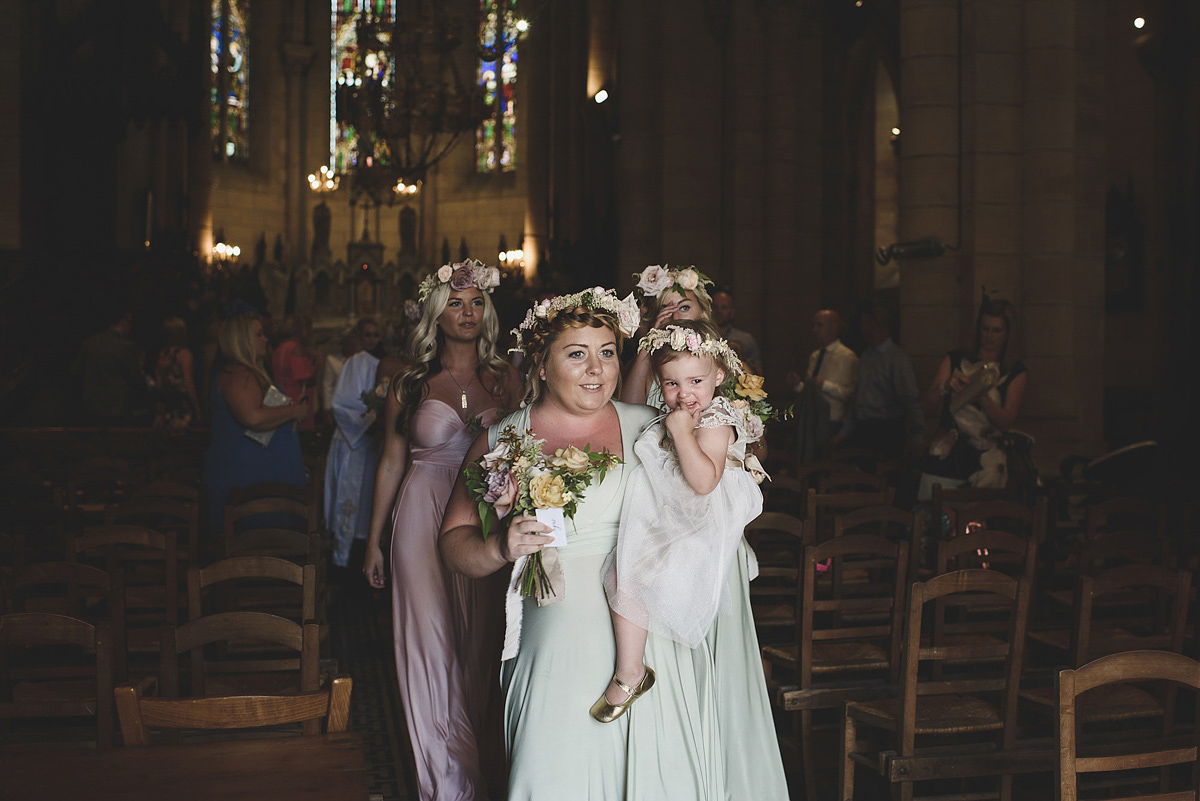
[443, 638]
[671, 295]
[239, 395]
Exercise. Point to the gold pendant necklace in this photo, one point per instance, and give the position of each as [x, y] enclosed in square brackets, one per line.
[460, 386]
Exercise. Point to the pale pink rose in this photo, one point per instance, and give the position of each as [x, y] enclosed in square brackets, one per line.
[491, 279]
[754, 427]
[629, 318]
[444, 272]
[495, 456]
[654, 280]
[688, 279]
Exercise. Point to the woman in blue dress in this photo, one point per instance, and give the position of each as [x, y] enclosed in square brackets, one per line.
[251, 441]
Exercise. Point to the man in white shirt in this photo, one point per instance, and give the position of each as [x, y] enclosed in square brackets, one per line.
[833, 367]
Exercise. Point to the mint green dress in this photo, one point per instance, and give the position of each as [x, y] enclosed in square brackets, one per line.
[704, 731]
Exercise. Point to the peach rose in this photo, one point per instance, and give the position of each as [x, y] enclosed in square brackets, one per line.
[750, 386]
[572, 458]
[547, 491]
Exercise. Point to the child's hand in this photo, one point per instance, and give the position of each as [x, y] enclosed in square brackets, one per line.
[680, 422]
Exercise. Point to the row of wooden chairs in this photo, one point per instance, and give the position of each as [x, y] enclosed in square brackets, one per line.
[863, 655]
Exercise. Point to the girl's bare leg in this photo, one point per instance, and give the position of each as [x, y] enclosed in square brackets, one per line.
[631, 651]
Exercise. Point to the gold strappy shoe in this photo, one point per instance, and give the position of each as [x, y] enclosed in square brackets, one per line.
[606, 712]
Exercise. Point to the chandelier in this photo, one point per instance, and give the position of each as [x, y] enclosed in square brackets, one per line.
[406, 96]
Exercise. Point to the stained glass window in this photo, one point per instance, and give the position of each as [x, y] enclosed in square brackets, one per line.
[343, 137]
[230, 70]
[496, 138]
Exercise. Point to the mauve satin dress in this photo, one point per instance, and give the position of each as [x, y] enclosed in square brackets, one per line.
[447, 634]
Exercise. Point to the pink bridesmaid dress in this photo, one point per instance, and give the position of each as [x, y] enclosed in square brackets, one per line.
[446, 631]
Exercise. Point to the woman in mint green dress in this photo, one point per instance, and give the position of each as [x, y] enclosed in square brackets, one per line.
[704, 730]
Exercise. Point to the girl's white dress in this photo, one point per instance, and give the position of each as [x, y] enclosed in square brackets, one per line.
[669, 572]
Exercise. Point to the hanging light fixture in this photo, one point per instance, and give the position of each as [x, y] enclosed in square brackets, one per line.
[410, 97]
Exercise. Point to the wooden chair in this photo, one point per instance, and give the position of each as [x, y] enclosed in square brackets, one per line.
[168, 489]
[73, 590]
[270, 489]
[254, 583]
[890, 523]
[165, 515]
[778, 540]
[783, 494]
[1153, 618]
[810, 473]
[148, 563]
[821, 508]
[290, 662]
[138, 713]
[952, 708]
[42, 682]
[271, 512]
[850, 481]
[847, 644]
[1124, 669]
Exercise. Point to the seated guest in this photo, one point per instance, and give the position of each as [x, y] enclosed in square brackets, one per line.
[253, 433]
[978, 395]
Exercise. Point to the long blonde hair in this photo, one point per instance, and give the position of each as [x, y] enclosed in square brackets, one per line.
[424, 351]
[236, 342]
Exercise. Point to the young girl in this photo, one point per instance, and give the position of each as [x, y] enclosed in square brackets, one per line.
[684, 509]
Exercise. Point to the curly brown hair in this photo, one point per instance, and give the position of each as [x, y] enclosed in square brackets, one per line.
[538, 339]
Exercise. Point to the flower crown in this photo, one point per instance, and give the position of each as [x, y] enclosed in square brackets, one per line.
[681, 340]
[626, 311]
[460, 276]
[656, 279]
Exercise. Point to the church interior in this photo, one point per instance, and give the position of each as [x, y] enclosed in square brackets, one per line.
[165, 158]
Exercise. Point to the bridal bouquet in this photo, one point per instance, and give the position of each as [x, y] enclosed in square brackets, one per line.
[749, 399]
[517, 478]
[375, 399]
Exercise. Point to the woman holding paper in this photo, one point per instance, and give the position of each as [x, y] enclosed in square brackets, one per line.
[253, 435]
[978, 394]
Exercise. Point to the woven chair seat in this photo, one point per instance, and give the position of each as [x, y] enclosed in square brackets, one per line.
[831, 657]
[935, 714]
[54, 692]
[1117, 702]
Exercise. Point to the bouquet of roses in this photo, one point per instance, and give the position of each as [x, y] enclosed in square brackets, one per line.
[516, 478]
[749, 399]
[375, 399]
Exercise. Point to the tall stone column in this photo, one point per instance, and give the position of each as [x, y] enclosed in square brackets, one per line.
[297, 57]
[930, 161]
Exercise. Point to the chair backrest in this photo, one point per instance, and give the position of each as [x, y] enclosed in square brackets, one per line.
[181, 518]
[299, 645]
[165, 488]
[783, 494]
[285, 543]
[888, 522]
[810, 473]
[987, 549]
[850, 481]
[274, 512]
[1126, 667]
[29, 630]
[858, 597]
[138, 713]
[269, 489]
[1124, 515]
[778, 538]
[962, 588]
[1149, 611]
[822, 507]
[241, 570]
